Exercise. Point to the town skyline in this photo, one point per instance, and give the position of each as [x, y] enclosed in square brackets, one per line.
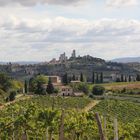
[63, 57]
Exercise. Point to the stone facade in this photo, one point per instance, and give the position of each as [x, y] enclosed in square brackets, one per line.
[54, 79]
[66, 91]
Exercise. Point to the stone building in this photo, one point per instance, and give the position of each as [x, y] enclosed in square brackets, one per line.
[73, 55]
[53, 61]
[63, 58]
[54, 79]
[66, 91]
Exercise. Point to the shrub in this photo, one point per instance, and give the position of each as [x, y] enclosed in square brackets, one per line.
[98, 90]
[50, 87]
[56, 90]
[12, 95]
[81, 87]
[2, 95]
[124, 90]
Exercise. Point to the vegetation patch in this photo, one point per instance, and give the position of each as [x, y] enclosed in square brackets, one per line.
[125, 111]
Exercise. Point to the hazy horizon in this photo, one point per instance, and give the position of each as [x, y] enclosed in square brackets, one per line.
[40, 30]
[121, 59]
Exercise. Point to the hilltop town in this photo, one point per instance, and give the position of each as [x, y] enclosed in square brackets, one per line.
[63, 58]
[74, 65]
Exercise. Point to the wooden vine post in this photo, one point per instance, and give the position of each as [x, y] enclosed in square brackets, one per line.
[105, 126]
[61, 129]
[102, 137]
[116, 129]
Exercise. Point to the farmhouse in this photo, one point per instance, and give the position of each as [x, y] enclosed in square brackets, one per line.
[54, 79]
[66, 91]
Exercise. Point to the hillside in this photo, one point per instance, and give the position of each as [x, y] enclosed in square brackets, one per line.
[135, 66]
[127, 60]
[85, 64]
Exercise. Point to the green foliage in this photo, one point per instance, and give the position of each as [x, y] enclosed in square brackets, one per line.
[98, 90]
[56, 90]
[101, 77]
[81, 87]
[129, 78]
[3, 95]
[65, 79]
[118, 80]
[138, 77]
[26, 86]
[35, 119]
[81, 77]
[127, 114]
[50, 87]
[8, 85]
[93, 77]
[97, 78]
[11, 96]
[36, 84]
[125, 111]
[57, 102]
[40, 90]
[16, 85]
[5, 82]
[122, 78]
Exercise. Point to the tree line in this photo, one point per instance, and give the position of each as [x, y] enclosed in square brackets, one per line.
[96, 78]
[39, 85]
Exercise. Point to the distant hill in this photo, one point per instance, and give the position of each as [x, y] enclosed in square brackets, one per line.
[127, 60]
[21, 62]
[86, 64]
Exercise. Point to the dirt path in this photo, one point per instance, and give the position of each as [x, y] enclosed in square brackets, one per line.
[16, 100]
[91, 105]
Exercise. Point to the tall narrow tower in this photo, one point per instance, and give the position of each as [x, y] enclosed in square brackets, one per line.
[73, 54]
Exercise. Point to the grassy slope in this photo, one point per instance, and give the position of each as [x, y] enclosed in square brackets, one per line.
[119, 85]
[3, 95]
[57, 102]
[125, 111]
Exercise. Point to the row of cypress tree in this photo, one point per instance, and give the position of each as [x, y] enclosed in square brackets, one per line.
[96, 78]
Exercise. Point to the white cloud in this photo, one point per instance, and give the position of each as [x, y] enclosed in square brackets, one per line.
[32, 39]
[122, 3]
[35, 2]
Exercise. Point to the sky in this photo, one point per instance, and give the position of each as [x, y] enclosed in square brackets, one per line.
[39, 30]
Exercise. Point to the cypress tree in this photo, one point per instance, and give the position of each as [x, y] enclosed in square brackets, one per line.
[30, 84]
[101, 77]
[118, 80]
[129, 78]
[50, 87]
[65, 79]
[26, 86]
[122, 78]
[73, 77]
[138, 77]
[81, 77]
[40, 90]
[125, 78]
[97, 78]
[93, 77]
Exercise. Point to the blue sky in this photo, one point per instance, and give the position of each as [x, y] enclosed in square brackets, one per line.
[38, 30]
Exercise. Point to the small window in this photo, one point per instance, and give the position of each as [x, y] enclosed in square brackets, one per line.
[63, 89]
